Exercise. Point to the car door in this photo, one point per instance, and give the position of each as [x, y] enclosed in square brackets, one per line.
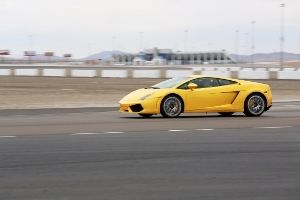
[211, 93]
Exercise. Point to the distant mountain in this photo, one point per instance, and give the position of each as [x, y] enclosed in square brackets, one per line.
[266, 57]
[105, 55]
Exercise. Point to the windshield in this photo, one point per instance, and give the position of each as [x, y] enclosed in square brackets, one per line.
[169, 83]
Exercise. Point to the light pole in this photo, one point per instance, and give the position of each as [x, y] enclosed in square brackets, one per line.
[30, 47]
[186, 37]
[141, 41]
[246, 43]
[282, 36]
[210, 46]
[114, 39]
[30, 42]
[89, 48]
[237, 45]
[299, 48]
[252, 43]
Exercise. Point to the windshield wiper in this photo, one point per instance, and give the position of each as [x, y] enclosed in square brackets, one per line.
[154, 87]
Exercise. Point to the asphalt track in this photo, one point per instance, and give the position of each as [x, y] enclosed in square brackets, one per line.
[98, 153]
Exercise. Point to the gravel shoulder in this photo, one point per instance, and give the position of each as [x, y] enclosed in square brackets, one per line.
[52, 92]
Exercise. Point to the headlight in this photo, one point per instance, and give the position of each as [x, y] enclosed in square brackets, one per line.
[146, 96]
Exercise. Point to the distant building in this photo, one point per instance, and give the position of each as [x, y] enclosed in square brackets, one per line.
[168, 57]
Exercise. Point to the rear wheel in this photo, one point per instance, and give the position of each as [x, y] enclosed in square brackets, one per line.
[226, 114]
[171, 106]
[255, 105]
[145, 115]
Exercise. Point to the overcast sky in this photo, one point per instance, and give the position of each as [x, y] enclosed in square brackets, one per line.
[83, 27]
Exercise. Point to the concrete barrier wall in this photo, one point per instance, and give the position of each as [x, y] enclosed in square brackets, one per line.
[26, 72]
[115, 73]
[155, 72]
[289, 74]
[253, 74]
[146, 73]
[53, 72]
[83, 73]
[178, 73]
[5, 72]
[223, 72]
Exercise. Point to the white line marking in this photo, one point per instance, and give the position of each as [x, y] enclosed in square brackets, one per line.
[177, 130]
[113, 132]
[84, 133]
[273, 127]
[7, 136]
[66, 89]
[204, 129]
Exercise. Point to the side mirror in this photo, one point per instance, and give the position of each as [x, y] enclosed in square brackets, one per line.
[192, 86]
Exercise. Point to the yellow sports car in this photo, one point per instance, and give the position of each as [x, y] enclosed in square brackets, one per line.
[199, 94]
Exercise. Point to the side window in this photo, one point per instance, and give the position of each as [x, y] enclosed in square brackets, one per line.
[223, 82]
[202, 83]
[185, 85]
[207, 82]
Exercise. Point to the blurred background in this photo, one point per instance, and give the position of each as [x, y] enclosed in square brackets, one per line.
[61, 49]
[65, 65]
[144, 32]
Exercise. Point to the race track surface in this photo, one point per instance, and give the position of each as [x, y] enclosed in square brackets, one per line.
[98, 153]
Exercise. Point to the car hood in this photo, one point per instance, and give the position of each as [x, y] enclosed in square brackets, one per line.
[138, 94]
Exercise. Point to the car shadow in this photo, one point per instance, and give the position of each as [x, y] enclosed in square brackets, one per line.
[194, 117]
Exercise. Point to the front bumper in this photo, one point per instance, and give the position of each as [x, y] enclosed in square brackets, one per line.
[267, 108]
[144, 106]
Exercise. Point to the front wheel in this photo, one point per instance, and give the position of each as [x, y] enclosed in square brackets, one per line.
[171, 106]
[145, 115]
[255, 105]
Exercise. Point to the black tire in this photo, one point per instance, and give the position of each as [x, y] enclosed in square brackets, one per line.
[171, 106]
[146, 115]
[226, 114]
[255, 105]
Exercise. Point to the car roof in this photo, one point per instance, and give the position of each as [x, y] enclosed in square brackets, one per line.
[220, 77]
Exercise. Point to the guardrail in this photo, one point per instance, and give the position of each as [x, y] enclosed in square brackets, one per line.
[150, 72]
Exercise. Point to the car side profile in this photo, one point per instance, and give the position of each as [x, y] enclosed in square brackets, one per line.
[199, 93]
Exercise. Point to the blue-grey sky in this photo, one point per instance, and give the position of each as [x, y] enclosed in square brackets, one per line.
[82, 27]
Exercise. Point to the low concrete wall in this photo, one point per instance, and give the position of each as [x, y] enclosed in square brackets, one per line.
[289, 73]
[26, 72]
[146, 73]
[83, 73]
[114, 73]
[216, 72]
[154, 72]
[5, 72]
[249, 73]
[178, 73]
[53, 72]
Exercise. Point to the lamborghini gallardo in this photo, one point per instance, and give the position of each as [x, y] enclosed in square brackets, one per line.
[199, 93]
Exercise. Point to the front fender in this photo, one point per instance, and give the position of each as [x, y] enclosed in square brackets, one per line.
[160, 98]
